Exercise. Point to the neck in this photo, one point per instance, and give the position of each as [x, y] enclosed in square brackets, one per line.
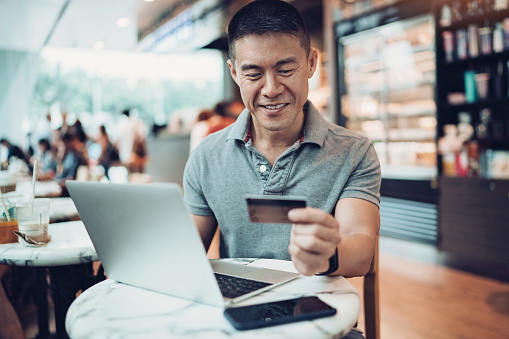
[273, 143]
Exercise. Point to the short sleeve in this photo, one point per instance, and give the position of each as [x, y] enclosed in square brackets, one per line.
[364, 182]
[193, 193]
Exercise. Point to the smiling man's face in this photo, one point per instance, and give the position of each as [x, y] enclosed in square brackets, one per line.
[272, 71]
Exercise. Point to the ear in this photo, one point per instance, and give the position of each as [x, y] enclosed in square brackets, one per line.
[233, 72]
[312, 62]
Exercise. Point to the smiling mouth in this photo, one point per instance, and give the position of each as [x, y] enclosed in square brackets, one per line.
[274, 107]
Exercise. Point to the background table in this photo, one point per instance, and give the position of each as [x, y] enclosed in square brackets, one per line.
[43, 189]
[63, 209]
[111, 309]
[68, 258]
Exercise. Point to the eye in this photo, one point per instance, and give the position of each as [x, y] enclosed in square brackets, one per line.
[286, 71]
[253, 76]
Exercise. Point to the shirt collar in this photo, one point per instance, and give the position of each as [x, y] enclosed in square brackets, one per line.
[315, 129]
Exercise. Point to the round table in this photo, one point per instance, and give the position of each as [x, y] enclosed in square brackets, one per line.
[67, 257]
[112, 309]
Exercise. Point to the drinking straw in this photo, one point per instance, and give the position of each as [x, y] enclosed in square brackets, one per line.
[5, 207]
[33, 187]
[33, 180]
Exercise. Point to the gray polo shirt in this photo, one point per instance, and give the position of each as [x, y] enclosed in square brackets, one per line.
[329, 164]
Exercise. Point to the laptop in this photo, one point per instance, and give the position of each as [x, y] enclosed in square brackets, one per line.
[145, 237]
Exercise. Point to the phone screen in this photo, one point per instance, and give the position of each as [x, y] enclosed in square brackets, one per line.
[279, 312]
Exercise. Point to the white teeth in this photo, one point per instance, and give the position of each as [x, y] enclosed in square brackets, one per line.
[275, 107]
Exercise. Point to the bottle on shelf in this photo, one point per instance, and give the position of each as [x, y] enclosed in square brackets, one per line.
[448, 146]
[498, 81]
[483, 127]
[498, 38]
[467, 161]
[470, 89]
[505, 26]
[485, 40]
[473, 41]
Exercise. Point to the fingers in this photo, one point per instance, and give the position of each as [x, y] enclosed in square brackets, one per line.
[314, 222]
[308, 263]
[313, 240]
[311, 215]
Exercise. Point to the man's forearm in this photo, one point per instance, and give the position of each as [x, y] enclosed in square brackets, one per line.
[355, 253]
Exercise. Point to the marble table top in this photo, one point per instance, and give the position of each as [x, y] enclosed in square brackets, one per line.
[115, 310]
[69, 245]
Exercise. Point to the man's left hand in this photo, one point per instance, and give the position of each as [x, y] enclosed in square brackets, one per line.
[314, 239]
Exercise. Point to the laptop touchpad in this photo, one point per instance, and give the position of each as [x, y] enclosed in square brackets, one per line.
[232, 269]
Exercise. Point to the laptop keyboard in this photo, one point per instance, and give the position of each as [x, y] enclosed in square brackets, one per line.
[232, 287]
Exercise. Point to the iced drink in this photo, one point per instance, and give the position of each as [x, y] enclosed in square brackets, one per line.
[33, 219]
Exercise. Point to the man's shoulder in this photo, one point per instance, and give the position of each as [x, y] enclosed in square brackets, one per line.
[341, 133]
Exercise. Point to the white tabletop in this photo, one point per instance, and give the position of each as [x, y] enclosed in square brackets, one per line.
[114, 310]
[69, 245]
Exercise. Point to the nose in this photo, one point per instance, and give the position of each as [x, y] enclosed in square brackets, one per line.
[272, 87]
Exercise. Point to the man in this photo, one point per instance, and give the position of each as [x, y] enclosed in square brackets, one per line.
[281, 145]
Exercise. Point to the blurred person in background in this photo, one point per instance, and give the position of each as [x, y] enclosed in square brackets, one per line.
[131, 143]
[109, 154]
[64, 126]
[72, 159]
[48, 160]
[221, 119]
[200, 129]
[224, 114]
[81, 137]
[13, 151]
[40, 129]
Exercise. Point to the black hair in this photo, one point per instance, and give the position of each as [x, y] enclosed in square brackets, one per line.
[68, 137]
[262, 16]
[45, 142]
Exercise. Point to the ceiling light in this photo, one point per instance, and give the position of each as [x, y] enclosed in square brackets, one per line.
[149, 0]
[123, 22]
[98, 45]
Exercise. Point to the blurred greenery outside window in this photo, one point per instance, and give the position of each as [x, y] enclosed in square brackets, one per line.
[97, 87]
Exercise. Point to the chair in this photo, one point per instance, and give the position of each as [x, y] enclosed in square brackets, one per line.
[10, 325]
[371, 299]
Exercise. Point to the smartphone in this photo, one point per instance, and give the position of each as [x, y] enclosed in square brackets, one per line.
[277, 313]
[273, 209]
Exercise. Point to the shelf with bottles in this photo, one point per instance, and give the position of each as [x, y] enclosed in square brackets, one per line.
[493, 57]
[475, 145]
[494, 102]
[474, 30]
[454, 14]
[481, 83]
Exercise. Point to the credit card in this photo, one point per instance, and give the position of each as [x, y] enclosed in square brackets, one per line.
[273, 209]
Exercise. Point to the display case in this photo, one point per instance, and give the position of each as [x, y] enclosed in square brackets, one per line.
[389, 75]
[386, 82]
